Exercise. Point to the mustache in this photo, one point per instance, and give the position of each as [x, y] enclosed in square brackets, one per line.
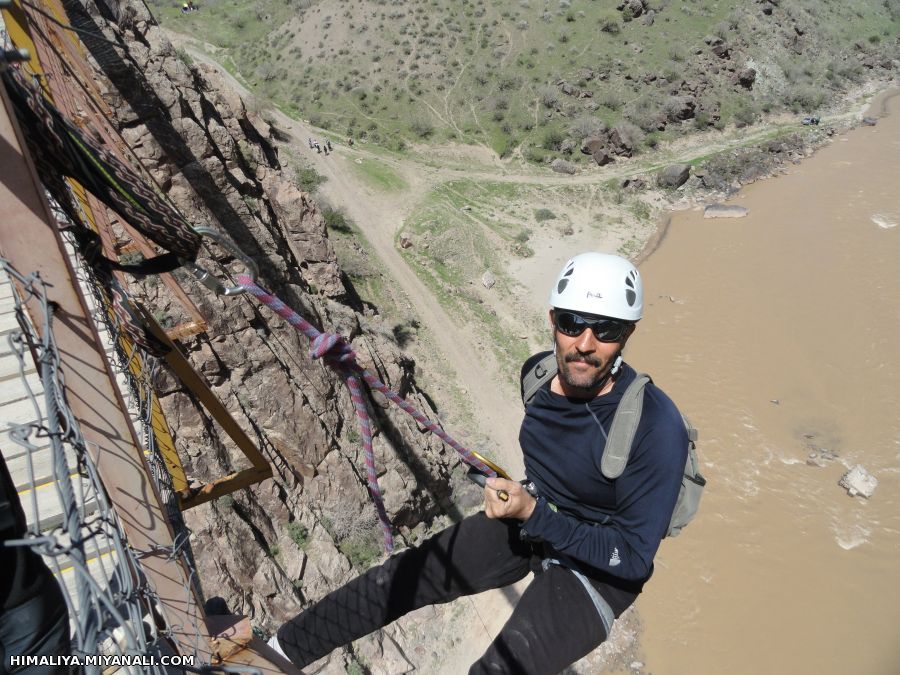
[579, 358]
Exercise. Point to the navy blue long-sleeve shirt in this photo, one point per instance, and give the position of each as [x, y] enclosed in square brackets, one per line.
[611, 527]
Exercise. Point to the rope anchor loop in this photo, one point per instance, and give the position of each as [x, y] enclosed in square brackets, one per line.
[211, 282]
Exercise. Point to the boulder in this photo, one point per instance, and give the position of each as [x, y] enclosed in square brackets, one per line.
[592, 144]
[869, 121]
[746, 77]
[602, 157]
[619, 144]
[405, 241]
[632, 183]
[562, 166]
[635, 6]
[859, 482]
[674, 176]
[724, 211]
[680, 108]
[488, 280]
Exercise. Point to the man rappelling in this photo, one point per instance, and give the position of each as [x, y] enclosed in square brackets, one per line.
[587, 521]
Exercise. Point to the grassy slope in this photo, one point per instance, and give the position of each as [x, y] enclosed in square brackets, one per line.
[487, 72]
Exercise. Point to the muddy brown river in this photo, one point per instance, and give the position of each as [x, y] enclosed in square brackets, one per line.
[778, 334]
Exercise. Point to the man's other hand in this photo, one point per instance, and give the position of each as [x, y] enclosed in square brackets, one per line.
[519, 503]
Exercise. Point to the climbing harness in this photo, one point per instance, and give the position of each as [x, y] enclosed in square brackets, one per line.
[335, 351]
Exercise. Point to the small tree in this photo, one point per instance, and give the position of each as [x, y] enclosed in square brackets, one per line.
[422, 127]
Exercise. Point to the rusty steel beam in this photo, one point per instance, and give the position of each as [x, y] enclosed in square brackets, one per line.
[30, 240]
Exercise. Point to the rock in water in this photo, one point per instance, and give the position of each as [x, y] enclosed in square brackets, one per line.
[858, 481]
[883, 221]
[724, 211]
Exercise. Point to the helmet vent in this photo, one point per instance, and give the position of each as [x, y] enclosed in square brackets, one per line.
[561, 286]
[630, 297]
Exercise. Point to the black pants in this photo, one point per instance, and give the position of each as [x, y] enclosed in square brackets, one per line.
[38, 626]
[554, 624]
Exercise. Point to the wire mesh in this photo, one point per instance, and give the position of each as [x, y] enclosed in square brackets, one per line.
[71, 523]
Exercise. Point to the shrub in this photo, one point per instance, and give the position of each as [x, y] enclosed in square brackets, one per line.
[549, 96]
[336, 220]
[609, 24]
[309, 179]
[225, 502]
[645, 112]
[552, 140]
[804, 98]
[422, 127]
[609, 99]
[543, 214]
[533, 154]
[745, 115]
[629, 133]
[587, 125]
[298, 534]
[361, 549]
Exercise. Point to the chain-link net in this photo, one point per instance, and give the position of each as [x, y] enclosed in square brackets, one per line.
[71, 522]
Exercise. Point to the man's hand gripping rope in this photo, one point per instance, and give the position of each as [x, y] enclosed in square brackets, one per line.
[338, 354]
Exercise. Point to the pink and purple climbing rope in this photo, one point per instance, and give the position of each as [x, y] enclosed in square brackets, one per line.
[335, 351]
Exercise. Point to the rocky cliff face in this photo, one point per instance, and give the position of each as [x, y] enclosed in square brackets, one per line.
[270, 549]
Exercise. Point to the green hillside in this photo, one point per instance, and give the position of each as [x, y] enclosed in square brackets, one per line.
[536, 77]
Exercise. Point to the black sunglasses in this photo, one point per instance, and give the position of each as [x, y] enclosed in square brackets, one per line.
[605, 330]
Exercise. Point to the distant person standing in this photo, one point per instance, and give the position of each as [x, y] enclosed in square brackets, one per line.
[328, 145]
[311, 146]
[318, 148]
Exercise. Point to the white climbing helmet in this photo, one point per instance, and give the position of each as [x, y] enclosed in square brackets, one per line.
[601, 284]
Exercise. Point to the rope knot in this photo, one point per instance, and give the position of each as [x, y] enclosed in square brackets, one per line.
[333, 348]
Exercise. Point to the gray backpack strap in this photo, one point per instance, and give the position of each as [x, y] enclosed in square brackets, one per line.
[624, 426]
[543, 371]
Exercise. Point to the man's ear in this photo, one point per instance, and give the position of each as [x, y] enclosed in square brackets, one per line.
[550, 316]
[628, 333]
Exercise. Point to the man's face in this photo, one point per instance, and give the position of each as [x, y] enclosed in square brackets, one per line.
[583, 360]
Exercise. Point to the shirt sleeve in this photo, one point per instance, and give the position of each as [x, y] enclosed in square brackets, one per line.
[625, 544]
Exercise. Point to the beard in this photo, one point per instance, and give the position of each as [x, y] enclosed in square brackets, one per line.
[588, 380]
